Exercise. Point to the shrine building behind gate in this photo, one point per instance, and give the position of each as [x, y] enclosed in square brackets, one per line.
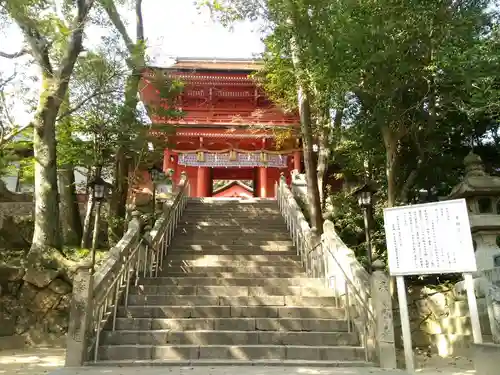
[229, 128]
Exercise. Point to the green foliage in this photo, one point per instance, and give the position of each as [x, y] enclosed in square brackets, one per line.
[417, 83]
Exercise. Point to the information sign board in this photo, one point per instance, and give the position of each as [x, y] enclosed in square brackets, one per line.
[429, 238]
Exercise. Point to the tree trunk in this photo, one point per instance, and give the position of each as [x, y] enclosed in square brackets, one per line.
[324, 150]
[118, 208]
[390, 143]
[47, 231]
[136, 62]
[117, 205]
[313, 196]
[87, 222]
[71, 220]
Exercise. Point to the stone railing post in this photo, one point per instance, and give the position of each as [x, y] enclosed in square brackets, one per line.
[492, 281]
[77, 339]
[382, 310]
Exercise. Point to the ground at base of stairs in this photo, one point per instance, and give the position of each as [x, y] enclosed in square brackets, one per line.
[243, 370]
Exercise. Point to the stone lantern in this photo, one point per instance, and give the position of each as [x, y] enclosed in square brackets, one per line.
[482, 193]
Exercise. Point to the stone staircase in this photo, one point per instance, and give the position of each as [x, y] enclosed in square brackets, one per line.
[232, 291]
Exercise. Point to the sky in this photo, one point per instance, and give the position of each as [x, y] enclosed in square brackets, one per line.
[176, 28]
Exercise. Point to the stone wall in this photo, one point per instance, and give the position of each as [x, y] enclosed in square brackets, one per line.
[15, 209]
[439, 320]
[31, 314]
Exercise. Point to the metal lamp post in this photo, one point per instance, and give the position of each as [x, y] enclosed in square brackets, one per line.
[157, 175]
[364, 194]
[98, 186]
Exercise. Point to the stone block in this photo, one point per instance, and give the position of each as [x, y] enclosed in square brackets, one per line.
[486, 358]
[310, 312]
[11, 273]
[342, 354]
[45, 300]
[253, 301]
[40, 278]
[222, 290]
[7, 325]
[321, 325]
[60, 287]
[120, 337]
[152, 300]
[56, 321]
[308, 338]
[254, 311]
[183, 324]
[125, 352]
[173, 352]
[303, 353]
[234, 324]
[213, 338]
[133, 324]
[211, 311]
[309, 301]
[242, 352]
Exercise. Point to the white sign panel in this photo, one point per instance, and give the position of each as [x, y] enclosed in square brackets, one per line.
[429, 238]
[163, 188]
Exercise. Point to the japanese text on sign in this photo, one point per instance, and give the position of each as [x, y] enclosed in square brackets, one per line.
[429, 238]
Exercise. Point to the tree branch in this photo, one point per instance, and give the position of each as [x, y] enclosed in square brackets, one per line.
[39, 45]
[14, 133]
[114, 16]
[83, 102]
[74, 47]
[140, 21]
[14, 55]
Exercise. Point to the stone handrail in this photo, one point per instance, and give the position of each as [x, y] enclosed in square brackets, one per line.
[96, 297]
[365, 298]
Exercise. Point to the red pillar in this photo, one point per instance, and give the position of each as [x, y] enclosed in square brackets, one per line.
[203, 182]
[262, 182]
[297, 160]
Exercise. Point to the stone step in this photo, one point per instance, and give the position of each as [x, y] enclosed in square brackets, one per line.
[190, 238]
[200, 311]
[232, 249]
[245, 274]
[254, 201]
[207, 300]
[233, 352]
[221, 241]
[223, 225]
[244, 291]
[246, 206]
[234, 268]
[210, 337]
[278, 363]
[257, 258]
[230, 231]
[232, 324]
[234, 235]
[250, 221]
[270, 210]
[190, 263]
[234, 281]
[237, 216]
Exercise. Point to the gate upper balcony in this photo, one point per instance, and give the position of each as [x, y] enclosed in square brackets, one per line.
[215, 92]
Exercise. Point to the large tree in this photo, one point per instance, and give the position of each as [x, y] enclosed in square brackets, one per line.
[54, 39]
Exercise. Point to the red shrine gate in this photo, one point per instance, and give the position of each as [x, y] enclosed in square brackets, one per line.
[229, 128]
